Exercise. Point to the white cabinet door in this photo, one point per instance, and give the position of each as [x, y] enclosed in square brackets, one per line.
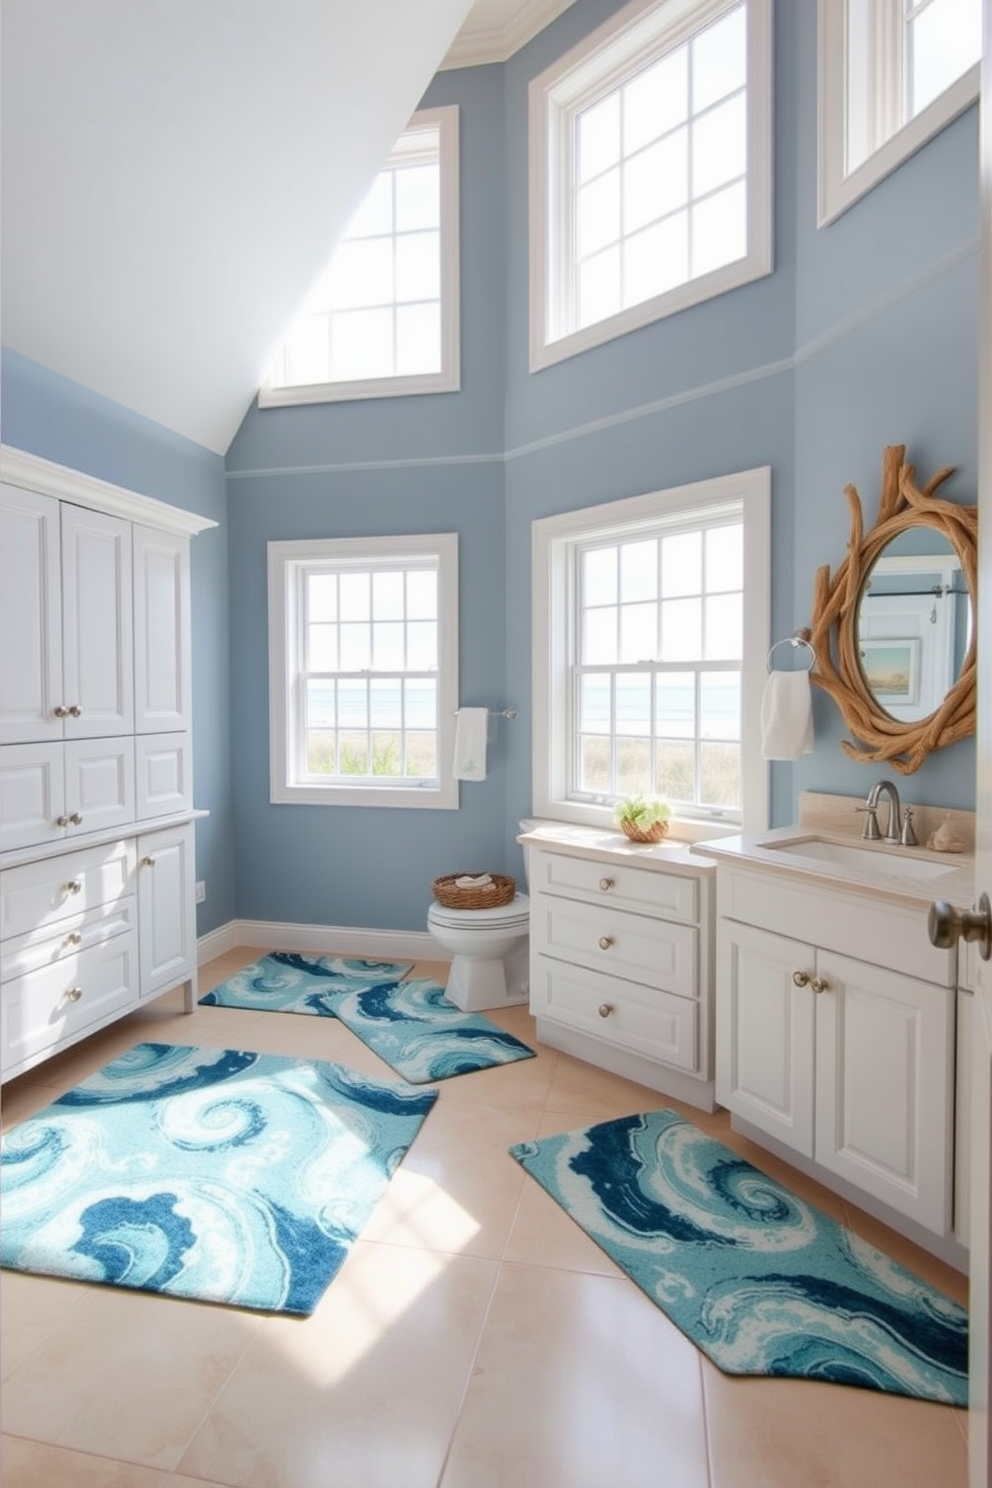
[32, 795]
[166, 909]
[161, 631]
[97, 641]
[764, 1059]
[99, 784]
[884, 1085]
[30, 617]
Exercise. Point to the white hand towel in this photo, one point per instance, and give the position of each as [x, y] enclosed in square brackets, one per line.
[470, 743]
[786, 716]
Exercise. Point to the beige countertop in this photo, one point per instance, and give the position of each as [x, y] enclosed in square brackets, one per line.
[613, 847]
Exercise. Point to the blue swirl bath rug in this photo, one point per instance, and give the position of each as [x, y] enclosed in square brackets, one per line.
[291, 982]
[212, 1174]
[762, 1282]
[423, 1036]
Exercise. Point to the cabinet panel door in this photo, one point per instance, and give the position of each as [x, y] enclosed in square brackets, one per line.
[884, 1074]
[164, 770]
[161, 632]
[764, 1058]
[32, 795]
[97, 644]
[166, 909]
[99, 784]
[30, 617]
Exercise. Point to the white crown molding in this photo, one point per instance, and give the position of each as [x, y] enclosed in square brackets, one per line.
[474, 46]
[32, 473]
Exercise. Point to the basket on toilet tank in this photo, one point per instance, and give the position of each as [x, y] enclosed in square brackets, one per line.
[454, 892]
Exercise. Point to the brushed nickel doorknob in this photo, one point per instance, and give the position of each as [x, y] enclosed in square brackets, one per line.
[946, 925]
[820, 984]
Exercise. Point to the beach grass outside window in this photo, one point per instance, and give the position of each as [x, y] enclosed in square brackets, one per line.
[382, 320]
[650, 619]
[892, 73]
[650, 170]
[363, 670]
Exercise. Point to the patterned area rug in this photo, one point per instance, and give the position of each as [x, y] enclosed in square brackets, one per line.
[759, 1280]
[409, 1024]
[212, 1174]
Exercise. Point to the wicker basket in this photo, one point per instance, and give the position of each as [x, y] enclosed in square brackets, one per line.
[487, 896]
[644, 834]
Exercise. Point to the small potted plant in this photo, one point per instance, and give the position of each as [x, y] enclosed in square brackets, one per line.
[642, 818]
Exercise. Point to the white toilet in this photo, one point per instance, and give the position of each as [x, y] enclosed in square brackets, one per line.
[490, 951]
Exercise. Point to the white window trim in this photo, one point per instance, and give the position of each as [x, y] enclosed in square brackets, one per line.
[448, 379]
[551, 620]
[837, 190]
[283, 667]
[606, 55]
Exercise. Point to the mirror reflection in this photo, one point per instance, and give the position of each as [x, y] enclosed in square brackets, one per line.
[914, 624]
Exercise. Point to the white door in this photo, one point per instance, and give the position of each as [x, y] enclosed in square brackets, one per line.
[161, 632]
[97, 642]
[30, 617]
[166, 909]
[980, 1455]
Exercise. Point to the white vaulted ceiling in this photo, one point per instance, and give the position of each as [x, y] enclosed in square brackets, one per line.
[175, 172]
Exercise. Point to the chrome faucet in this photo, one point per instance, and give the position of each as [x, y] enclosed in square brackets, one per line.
[897, 829]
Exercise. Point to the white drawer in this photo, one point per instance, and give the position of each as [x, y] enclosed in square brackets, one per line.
[24, 953]
[37, 895]
[641, 889]
[653, 1024]
[612, 943]
[52, 1007]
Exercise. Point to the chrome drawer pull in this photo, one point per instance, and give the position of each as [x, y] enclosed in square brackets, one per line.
[606, 884]
[820, 984]
[605, 941]
[73, 886]
[605, 1009]
[74, 938]
[73, 994]
[801, 978]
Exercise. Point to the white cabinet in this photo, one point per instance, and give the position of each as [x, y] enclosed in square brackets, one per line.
[95, 725]
[847, 1062]
[620, 946]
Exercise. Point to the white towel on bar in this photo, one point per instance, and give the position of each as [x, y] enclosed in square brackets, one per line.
[471, 728]
[786, 716]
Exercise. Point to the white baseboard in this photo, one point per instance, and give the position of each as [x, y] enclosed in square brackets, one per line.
[385, 945]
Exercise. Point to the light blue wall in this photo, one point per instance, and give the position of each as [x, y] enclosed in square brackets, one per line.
[864, 335]
[48, 415]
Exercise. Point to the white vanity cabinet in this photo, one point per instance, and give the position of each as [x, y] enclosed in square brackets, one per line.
[836, 1036]
[96, 805]
[621, 956]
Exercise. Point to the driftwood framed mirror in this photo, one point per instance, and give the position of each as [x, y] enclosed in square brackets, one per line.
[893, 630]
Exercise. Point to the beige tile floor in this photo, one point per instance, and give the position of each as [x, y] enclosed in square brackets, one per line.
[474, 1338]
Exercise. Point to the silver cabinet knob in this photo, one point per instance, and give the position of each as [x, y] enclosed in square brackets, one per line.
[605, 941]
[61, 821]
[75, 711]
[820, 984]
[605, 1009]
[606, 884]
[73, 886]
[72, 994]
[148, 862]
[61, 711]
[801, 978]
[75, 819]
[945, 925]
[73, 938]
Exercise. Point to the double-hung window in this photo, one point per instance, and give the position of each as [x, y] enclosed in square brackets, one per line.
[650, 642]
[382, 319]
[363, 669]
[892, 73]
[650, 170]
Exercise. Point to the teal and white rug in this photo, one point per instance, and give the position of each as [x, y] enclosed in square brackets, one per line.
[213, 1174]
[762, 1282]
[409, 1024]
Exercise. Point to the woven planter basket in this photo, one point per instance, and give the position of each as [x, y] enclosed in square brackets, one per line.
[488, 896]
[642, 834]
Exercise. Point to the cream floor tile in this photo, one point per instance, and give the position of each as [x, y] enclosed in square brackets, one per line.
[785, 1433]
[580, 1381]
[597, 1095]
[27, 1464]
[363, 1393]
[126, 1375]
[543, 1234]
[31, 1306]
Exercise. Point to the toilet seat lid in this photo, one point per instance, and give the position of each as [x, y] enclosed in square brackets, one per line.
[502, 916]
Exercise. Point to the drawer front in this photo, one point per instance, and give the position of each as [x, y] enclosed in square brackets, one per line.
[640, 889]
[653, 1024]
[36, 895]
[24, 953]
[56, 1004]
[612, 943]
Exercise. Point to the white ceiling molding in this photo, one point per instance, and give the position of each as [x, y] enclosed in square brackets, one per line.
[495, 29]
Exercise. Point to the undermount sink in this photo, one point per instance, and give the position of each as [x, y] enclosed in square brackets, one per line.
[894, 862]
